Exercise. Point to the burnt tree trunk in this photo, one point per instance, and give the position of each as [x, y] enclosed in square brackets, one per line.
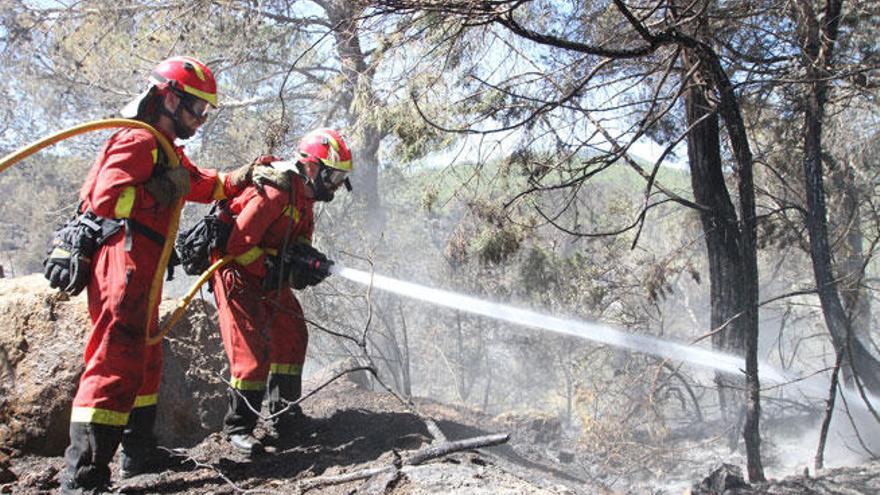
[818, 37]
[731, 243]
[730, 238]
[721, 232]
[851, 259]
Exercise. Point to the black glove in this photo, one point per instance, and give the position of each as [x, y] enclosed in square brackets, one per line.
[276, 274]
[66, 267]
[307, 266]
[56, 268]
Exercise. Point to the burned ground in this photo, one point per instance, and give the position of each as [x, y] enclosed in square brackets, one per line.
[351, 429]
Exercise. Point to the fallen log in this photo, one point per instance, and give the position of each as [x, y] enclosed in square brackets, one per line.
[418, 457]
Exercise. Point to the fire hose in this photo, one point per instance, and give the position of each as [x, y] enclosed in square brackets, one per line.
[187, 298]
[26, 151]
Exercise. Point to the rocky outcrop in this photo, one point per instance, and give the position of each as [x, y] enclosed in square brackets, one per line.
[41, 341]
[42, 338]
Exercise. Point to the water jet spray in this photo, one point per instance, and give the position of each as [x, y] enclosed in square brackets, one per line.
[604, 334]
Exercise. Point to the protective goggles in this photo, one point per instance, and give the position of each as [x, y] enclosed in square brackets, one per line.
[196, 107]
[334, 177]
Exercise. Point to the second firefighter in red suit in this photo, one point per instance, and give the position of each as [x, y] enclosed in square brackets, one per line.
[261, 322]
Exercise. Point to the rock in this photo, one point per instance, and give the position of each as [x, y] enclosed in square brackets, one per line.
[359, 379]
[538, 426]
[41, 344]
[41, 479]
[6, 473]
[41, 341]
[192, 396]
[566, 456]
[723, 478]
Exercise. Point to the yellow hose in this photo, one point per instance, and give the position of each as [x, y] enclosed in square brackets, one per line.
[174, 223]
[47, 141]
[181, 306]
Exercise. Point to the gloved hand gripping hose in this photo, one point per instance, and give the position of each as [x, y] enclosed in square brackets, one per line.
[306, 265]
[173, 161]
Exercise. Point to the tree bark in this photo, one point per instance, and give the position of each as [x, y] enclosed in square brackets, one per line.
[818, 39]
[730, 242]
[851, 259]
[721, 232]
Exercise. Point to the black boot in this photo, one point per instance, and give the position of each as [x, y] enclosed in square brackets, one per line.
[88, 456]
[241, 418]
[140, 452]
[284, 389]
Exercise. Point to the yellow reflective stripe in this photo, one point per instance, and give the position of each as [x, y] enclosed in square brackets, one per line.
[146, 400]
[155, 153]
[239, 384]
[333, 143]
[209, 97]
[198, 69]
[98, 416]
[249, 256]
[290, 211]
[125, 203]
[285, 369]
[219, 192]
[331, 139]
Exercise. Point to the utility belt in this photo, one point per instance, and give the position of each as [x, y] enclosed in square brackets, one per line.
[68, 263]
[102, 228]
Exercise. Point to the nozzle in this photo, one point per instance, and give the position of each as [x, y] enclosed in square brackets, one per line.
[334, 269]
[324, 267]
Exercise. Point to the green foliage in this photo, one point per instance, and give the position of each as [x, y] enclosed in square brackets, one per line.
[537, 272]
[497, 245]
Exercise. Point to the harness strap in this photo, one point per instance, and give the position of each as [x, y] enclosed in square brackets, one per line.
[135, 226]
[87, 219]
[106, 227]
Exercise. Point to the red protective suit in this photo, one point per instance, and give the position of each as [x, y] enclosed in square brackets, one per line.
[263, 331]
[121, 371]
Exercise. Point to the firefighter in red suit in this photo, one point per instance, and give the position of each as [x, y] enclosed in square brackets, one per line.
[129, 181]
[261, 321]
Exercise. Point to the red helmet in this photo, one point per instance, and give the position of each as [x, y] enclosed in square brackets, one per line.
[188, 75]
[325, 157]
[181, 75]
